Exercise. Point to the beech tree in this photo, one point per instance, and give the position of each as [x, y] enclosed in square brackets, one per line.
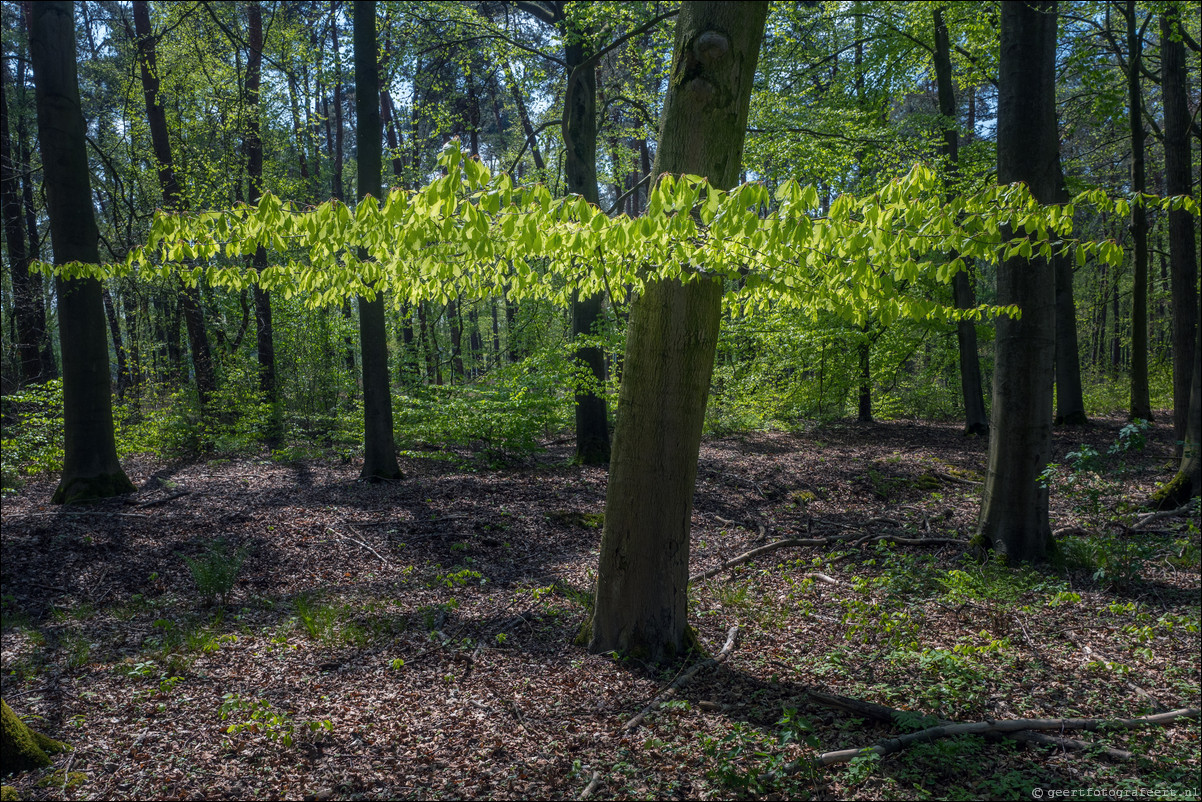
[379, 450]
[1014, 510]
[642, 583]
[90, 466]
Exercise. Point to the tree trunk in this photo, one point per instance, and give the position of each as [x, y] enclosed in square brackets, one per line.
[1183, 253]
[198, 340]
[23, 749]
[580, 145]
[379, 451]
[1141, 404]
[1014, 510]
[90, 466]
[1188, 481]
[642, 584]
[110, 312]
[963, 295]
[264, 331]
[27, 287]
[1070, 399]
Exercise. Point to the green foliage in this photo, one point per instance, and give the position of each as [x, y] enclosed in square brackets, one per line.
[748, 761]
[259, 717]
[216, 570]
[1111, 561]
[32, 442]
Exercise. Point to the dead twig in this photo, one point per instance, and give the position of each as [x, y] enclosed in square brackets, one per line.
[592, 786]
[661, 697]
[1151, 517]
[891, 745]
[359, 543]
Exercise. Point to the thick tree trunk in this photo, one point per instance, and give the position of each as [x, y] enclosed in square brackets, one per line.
[642, 584]
[90, 466]
[1141, 404]
[23, 748]
[1014, 510]
[963, 295]
[379, 450]
[264, 331]
[1183, 253]
[156, 118]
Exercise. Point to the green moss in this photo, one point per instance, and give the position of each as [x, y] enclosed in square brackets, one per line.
[1176, 492]
[587, 520]
[585, 634]
[21, 748]
[8, 794]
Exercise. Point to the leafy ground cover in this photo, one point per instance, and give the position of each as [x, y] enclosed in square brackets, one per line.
[259, 629]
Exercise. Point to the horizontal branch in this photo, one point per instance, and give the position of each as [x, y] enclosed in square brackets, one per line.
[731, 638]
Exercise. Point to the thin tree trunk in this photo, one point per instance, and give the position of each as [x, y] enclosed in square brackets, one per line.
[1141, 405]
[1014, 510]
[1070, 398]
[963, 295]
[1183, 254]
[264, 331]
[110, 313]
[642, 584]
[198, 340]
[90, 466]
[379, 450]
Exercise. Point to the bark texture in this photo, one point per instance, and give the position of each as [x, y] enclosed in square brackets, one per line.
[379, 450]
[1141, 404]
[90, 466]
[1014, 511]
[642, 584]
[1183, 249]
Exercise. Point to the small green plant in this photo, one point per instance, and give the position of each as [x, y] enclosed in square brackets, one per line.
[750, 762]
[259, 717]
[458, 579]
[216, 571]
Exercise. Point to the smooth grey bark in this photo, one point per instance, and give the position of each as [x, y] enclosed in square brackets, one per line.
[976, 422]
[379, 450]
[642, 583]
[1014, 509]
[90, 466]
[1183, 249]
[1141, 403]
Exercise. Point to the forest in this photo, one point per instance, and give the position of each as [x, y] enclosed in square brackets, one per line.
[615, 399]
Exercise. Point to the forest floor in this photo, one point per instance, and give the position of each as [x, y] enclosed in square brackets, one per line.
[425, 629]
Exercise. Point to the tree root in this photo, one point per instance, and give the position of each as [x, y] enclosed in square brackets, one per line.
[662, 696]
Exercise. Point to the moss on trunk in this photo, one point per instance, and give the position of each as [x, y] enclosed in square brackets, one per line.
[21, 748]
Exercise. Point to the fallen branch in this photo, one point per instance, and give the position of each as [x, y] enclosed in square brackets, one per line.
[747, 556]
[661, 697]
[592, 786]
[891, 745]
[359, 543]
[888, 715]
[1144, 520]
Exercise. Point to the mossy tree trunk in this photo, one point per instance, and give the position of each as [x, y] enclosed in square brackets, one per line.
[1188, 481]
[21, 748]
[379, 449]
[1014, 510]
[90, 466]
[642, 583]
